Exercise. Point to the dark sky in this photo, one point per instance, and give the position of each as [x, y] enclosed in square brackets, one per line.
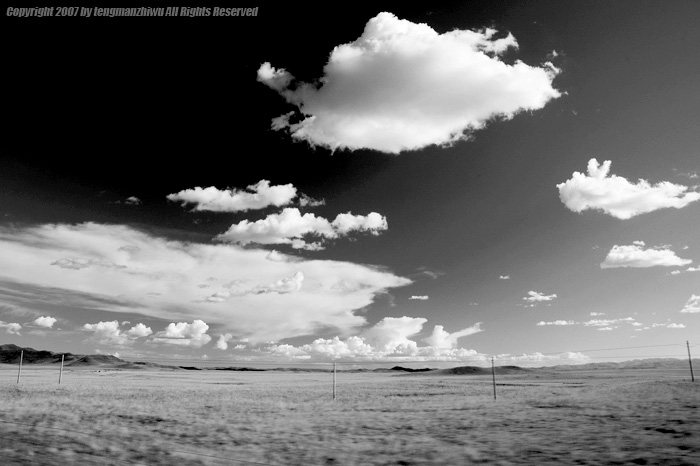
[101, 109]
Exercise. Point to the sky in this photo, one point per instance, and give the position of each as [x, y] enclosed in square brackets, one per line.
[517, 180]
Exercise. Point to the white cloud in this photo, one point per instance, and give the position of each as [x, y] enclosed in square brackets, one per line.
[608, 322]
[403, 86]
[45, 321]
[557, 322]
[290, 226]
[536, 297]
[692, 306]
[504, 277]
[306, 201]
[593, 314]
[442, 339]
[636, 256]
[160, 280]
[11, 328]
[674, 325]
[389, 339]
[688, 270]
[132, 200]
[222, 342]
[109, 333]
[420, 298]
[184, 334]
[617, 197]
[139, 331]
[258, 196]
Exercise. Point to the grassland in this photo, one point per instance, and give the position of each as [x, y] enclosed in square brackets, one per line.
[100, 417]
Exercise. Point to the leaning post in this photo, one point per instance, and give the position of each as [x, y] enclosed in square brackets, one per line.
[690, 361]
[60, 374]
[19, 372]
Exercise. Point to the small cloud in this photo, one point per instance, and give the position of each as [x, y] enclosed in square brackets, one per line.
[674, 325]
[222, 343]
[421, 298]
[132, 200]
[257, 196]
[504, 277]
[11, 328]
[184, 334]
[616, 196]
[593, 314]
[536, 297]
[637, 257]
[306, 201]
[606, 329]
[557, 322]
[44, 321]
[692, 306]
[430, 273]
[290, 227]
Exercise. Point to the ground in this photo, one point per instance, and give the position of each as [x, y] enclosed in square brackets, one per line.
[104, 416]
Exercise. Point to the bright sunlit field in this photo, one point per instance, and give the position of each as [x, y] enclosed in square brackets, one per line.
[285, 418]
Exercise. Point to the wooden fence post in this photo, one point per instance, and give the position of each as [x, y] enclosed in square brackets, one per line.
[19, 372]
[334, 381]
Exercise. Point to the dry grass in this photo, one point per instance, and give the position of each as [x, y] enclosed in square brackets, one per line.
[217, 418]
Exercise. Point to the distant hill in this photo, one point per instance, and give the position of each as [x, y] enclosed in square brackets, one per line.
[654, 363]
[10, 354]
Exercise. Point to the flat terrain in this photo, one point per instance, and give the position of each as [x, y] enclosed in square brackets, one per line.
[121, 417]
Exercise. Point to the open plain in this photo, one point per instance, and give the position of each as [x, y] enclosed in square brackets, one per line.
[540, 417]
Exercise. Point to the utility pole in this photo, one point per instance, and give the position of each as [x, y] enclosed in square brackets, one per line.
[493, 373]
[690, 361]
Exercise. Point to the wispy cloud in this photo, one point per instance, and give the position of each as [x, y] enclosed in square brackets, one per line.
[403, 86]
[421, 298]
[557, 322]
[617, 197]
[504, 277]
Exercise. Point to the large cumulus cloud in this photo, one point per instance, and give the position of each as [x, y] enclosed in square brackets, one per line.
[403, 86]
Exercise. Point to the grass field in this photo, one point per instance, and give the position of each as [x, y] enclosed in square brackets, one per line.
[282, 418]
